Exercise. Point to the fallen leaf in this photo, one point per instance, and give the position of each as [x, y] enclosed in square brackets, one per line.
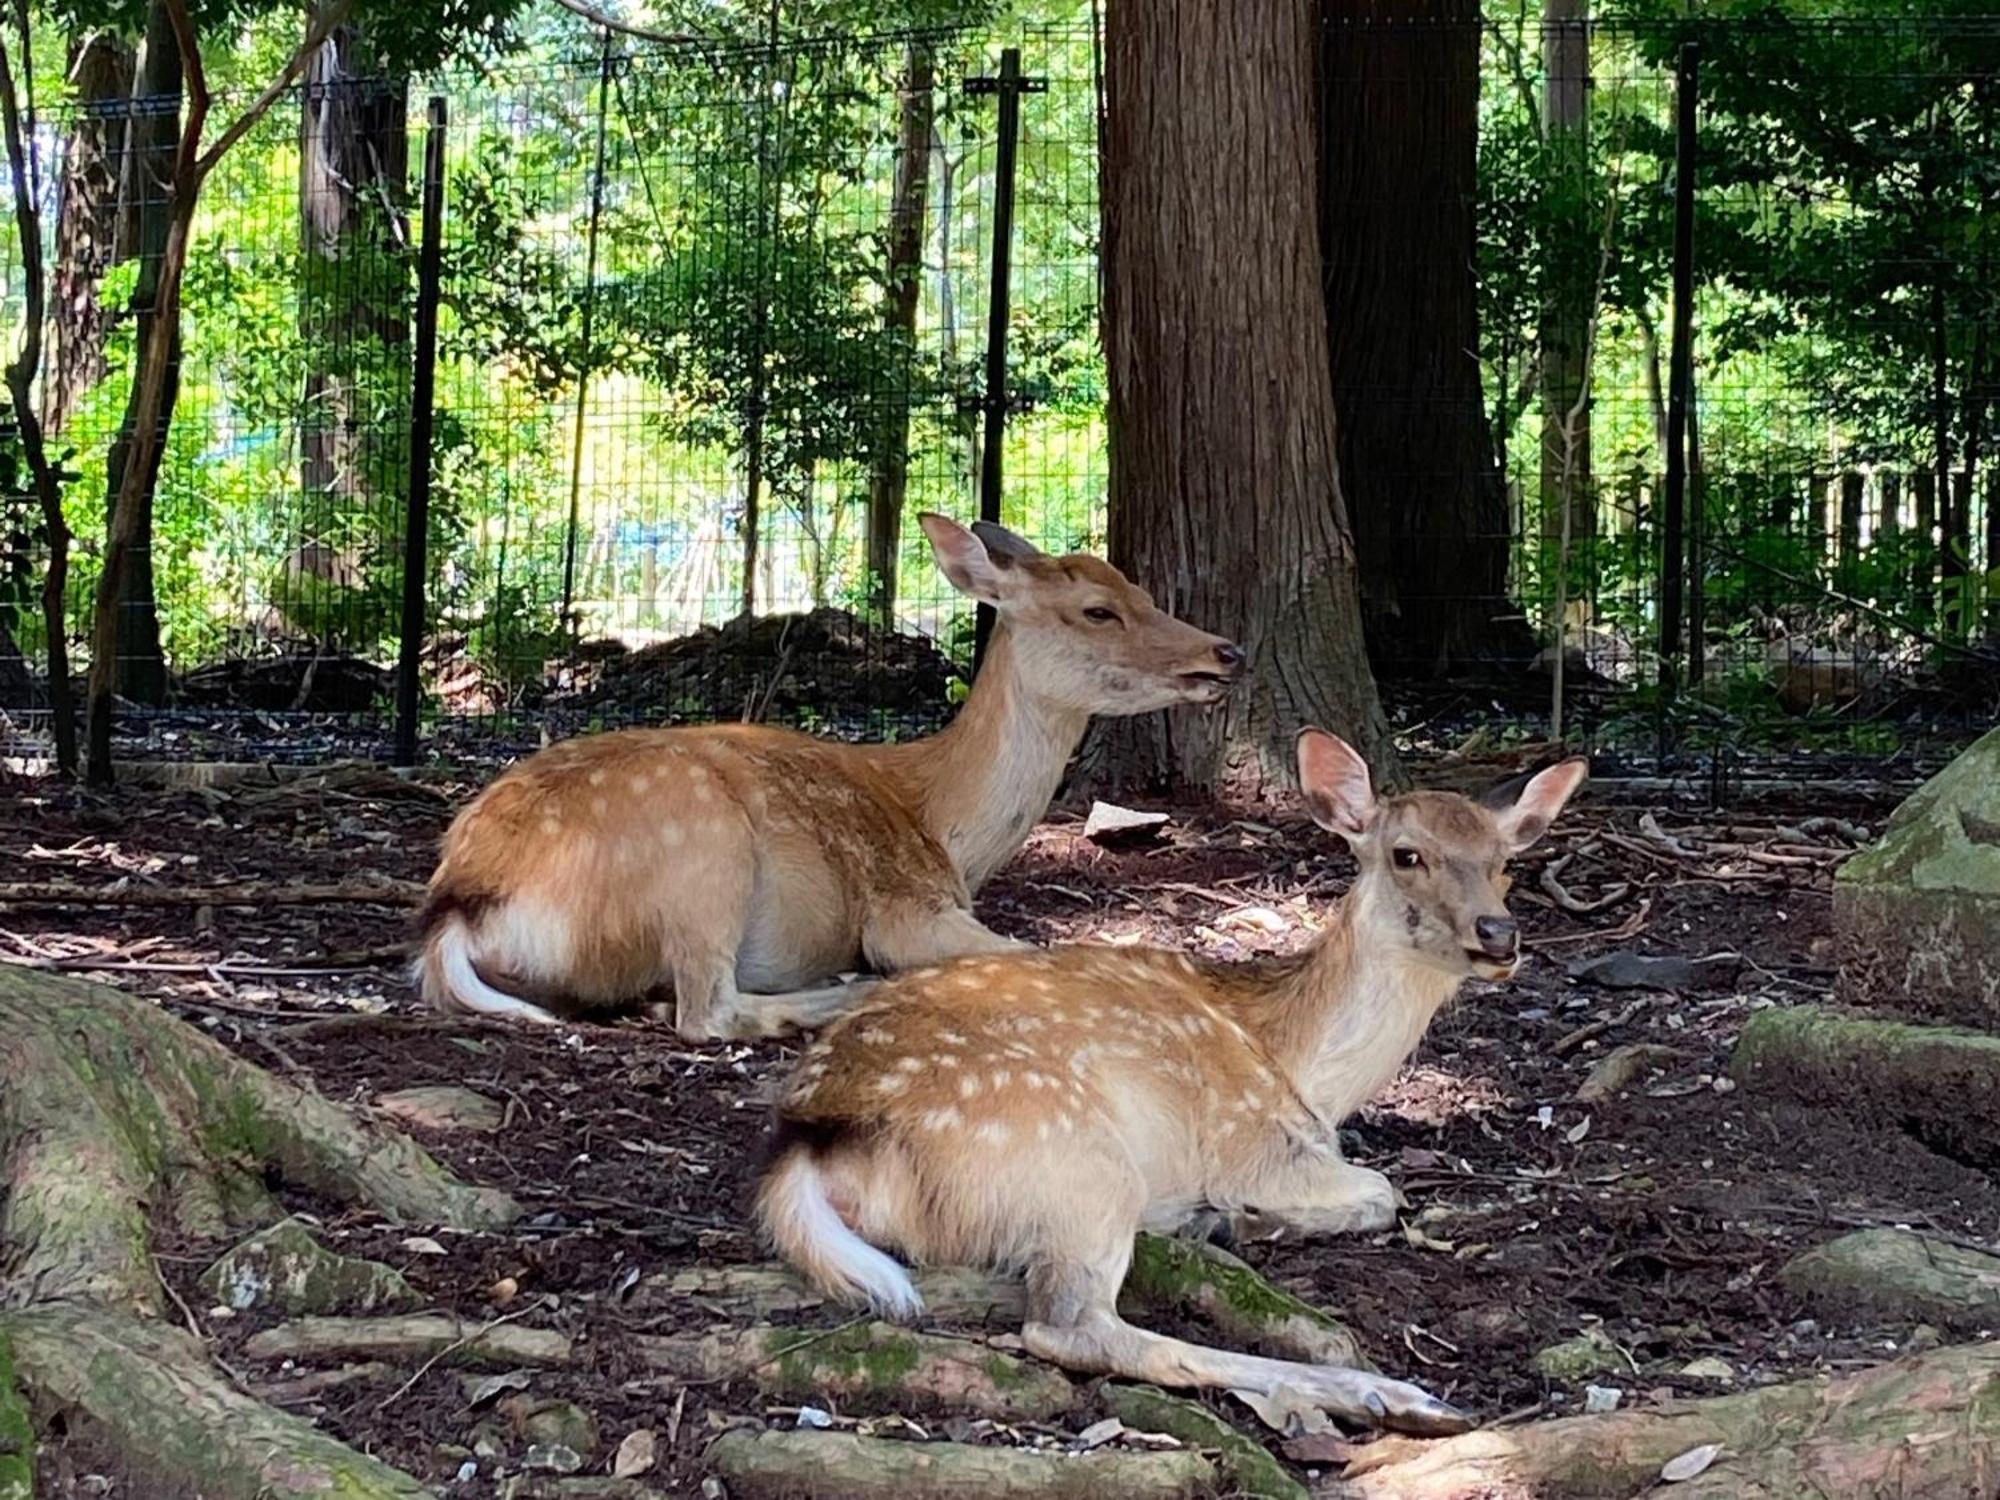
[1684, 1466]
[1577, 1131]
[1161, 1440]
[503, 1291]
[494, 1385]
[1258, 918]
[423, 1244]
[1319, 1448]
[1108, 822]
[636, 1454]
[1097, 1434]
[1286, 1409]
[1416, 1236]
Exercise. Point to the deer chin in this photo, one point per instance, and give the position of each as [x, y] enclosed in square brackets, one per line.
[1492, 970]
[1203, 687]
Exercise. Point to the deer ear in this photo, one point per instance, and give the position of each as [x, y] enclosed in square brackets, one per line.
[1529, 814]
[1002, 545]
[1333, 779]
[965, 559]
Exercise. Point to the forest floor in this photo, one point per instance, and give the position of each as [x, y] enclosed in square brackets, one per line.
[1652, 1221]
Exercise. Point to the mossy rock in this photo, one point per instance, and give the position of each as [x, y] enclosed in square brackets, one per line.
[1917, 913]
[1590, 1353]
[285, 1269]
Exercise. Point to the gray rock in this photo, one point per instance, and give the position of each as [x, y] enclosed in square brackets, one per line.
[1589, 1353]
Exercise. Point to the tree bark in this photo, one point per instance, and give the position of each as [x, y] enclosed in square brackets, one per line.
[1225, 499]
[101, 65]
[137, 666]
[890, 475]
[354, 160]
[842, 1466]
[1570, 274]
[1399, 138]
[1922, 1427]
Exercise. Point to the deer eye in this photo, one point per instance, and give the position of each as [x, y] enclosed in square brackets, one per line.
[1100, 615]
[1407, 858]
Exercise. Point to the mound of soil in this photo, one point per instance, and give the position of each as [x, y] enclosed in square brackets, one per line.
[333, 684]
[828, 662]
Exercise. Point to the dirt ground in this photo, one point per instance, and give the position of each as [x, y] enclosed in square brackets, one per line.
[1658, 1217]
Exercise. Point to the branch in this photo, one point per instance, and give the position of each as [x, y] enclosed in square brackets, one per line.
[610, 22]
[322, 27]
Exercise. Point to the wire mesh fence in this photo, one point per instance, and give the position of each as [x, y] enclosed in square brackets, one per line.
[713, 330]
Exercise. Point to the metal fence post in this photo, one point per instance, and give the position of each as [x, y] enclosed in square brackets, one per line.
[1009, 86]
[423, 387]
[1675, 547]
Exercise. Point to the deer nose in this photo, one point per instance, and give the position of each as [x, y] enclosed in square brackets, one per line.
[1500, 937]
[1231, 656]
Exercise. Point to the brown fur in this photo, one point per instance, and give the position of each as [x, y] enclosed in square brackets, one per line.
[1036, 1109]
[733, 866]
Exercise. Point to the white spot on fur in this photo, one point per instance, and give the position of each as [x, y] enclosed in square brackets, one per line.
[909, 1065]
[891, 1084]
[1002, 1077]
[993, 1133]
[969, 1085]
[671, 835]
[875, 1036]
[946, 1059]
[640, 782]
[597, 778]
[947, 1118]
[598, 806]
[951, 1038]
[550, 827]
[701, 792]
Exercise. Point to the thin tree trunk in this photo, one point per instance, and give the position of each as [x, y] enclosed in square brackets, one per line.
[1570, 273]
[1225, 500]
[1399, 137]
[889, 478]
[1956, 559]
[1923, 552]
[21, 375]
[354, 163]
[87, 211]
[138, 669]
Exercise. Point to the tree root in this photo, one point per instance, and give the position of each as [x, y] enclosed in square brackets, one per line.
[1244, 1465]
[439, 1336]
[151, 1392]
[112, 1107]
[1168, 1275]
[841, 1466]
[1925, 1426]
[1935, 1081]
[17, 1432]
[874, 1363]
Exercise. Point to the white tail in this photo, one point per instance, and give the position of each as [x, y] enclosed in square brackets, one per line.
[806, 1230]
[448, 980]
[737, 869]
[1038, 1109]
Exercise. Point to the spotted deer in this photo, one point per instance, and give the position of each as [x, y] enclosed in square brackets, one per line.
[1035, 1109]
[724, 876]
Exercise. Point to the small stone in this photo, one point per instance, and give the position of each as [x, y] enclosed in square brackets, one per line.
[714, 1489]
[468, 1471]
[442, 1107]
[1598, 1399]
[552, 1424]
[1588, 1353]
[1709, 1368]
[1109, 823]
[552, 1458]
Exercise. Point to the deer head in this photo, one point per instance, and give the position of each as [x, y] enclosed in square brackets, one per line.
[1085, 636]
[1432, 863]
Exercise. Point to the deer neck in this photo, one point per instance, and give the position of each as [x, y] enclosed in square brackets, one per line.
[981, 784]
[1343, 1022]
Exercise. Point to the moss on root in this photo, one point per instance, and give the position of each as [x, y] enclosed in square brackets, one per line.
[17, 1433]
[1244, 1465]
[1180, 1274]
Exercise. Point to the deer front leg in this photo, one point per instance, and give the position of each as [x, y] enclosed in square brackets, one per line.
[908, 936]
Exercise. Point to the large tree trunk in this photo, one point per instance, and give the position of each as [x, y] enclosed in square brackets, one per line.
[1399, 138]
[140, 669]
[354, 163]
[1570, 276]
[890, 475]
[1225, 500]
[87, 222]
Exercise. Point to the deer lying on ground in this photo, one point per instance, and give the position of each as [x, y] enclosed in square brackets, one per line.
[742, 867]
[1037, 1109]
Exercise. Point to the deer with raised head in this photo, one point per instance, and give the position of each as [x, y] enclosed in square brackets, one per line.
[725, 876]
[1034, 1110]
